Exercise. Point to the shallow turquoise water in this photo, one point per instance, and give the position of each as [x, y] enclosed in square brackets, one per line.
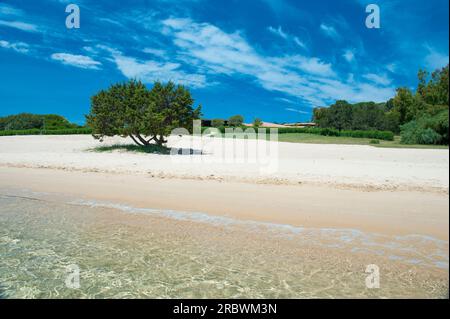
[125, 252]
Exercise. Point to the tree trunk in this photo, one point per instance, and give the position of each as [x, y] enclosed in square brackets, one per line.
[143, 140]
[160, 141]
[134, 140]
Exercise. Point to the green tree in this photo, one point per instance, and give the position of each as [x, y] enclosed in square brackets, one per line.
[171, 107]
[340, 115]
[404, 105]
[217, 123]
[130, 109]
[236, 120]
[257, 122]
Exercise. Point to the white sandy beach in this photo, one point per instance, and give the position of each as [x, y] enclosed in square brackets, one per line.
[392, 191]
[363, 167]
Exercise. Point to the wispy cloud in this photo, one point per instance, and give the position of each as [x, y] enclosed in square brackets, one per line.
[278, 31]
[308, 78]
[392, 67]
[156, 52]
[381, 79]
[300, 43]
[349, 55]
[150, 71]
[20, 47]
[286, 36]
[79, 61]
[330, 31]
[28, 27]
[435, 59]
[290, 109]
[9, 10]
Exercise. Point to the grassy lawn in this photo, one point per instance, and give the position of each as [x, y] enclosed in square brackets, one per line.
[319, 139]
[287, 137]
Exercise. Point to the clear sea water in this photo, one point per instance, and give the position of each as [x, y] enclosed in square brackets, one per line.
[127, 252]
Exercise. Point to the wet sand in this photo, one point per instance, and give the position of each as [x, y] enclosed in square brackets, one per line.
[385, 212]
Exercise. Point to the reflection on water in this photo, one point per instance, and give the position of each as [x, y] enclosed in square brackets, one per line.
[124, 252]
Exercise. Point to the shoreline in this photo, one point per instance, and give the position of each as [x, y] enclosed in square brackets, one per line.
[383, 212]
[181, 258]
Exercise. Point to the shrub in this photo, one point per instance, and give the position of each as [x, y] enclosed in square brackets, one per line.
[380, 135]
[46, 132]
[217, 123]
[236, 120]
[413, 133]
[329, 132]
[27, 121]
[428, 129]
[374, 142]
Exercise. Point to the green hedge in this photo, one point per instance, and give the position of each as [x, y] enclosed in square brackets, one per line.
[379, 135]
[46, 132]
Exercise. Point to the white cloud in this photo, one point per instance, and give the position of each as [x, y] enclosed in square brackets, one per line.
[282, 34]
[9, 10]
[278, 31]
[310, 65]
[19, 25]
[381, 79]
[308, 78]
[285, 100]
[349, 55]
[155, 52]
[79, 61]
[392, 67]
[300, 43]
[329, 31]
[290, 109]
[150, 71]
[20, 47]
[91, 50]
[435, 59]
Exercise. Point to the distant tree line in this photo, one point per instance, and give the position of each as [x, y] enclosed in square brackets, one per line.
[233, 121]
[27, 121]
[420, 117]
[360, 116]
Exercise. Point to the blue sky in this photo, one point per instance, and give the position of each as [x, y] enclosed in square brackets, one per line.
[273, 59]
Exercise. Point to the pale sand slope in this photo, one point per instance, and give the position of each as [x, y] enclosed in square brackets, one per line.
[387, 191]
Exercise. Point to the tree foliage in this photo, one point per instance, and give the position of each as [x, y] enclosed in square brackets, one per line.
[236, 120]
[420, 116]
[424, 115]
[27, 121]
[217, 123]
[257, 122]
[361, 116]
[130, 109]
